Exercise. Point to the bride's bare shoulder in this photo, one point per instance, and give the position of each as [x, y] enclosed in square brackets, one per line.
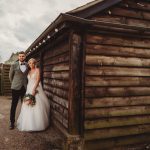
[37, 70]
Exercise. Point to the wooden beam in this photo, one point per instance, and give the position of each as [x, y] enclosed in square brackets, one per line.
[41, 67]
[97, 113]
[122, 142]
[116, 61]
[117, 71]
[109, 50]
[116, 122]
[106, 102]
[92, 81]
[118, 41]
[75, 82]
[95, 92]
[115, 132]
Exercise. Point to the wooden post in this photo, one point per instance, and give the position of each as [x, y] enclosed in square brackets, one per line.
[75, 83]
[41, 67]
[5, 81]
[2, 79]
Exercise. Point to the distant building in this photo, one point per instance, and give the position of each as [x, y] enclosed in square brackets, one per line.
[13, 58]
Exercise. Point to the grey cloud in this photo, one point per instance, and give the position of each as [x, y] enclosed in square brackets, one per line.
[27, 31]
[22, 21]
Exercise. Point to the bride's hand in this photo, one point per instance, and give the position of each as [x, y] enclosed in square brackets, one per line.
[33, 92]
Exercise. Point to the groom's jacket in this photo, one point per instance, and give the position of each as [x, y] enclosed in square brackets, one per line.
[17, 77]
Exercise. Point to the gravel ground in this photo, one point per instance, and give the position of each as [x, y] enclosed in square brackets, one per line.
[16, 140]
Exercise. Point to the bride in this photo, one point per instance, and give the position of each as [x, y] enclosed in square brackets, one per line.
[34, 118]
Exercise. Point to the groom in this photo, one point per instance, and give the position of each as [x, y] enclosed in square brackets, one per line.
[18, 78]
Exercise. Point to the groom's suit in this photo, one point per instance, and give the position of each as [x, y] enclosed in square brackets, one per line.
[18, 78]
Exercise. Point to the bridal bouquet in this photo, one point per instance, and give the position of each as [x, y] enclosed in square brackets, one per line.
[29, 99]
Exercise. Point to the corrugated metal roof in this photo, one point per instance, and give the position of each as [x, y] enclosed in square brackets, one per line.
[85, 6]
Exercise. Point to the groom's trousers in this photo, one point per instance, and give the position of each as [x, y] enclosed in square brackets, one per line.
[16, 94]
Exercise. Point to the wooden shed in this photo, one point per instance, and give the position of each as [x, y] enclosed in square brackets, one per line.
[95, 70]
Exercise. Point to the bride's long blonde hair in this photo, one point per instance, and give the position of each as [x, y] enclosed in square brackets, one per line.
[34, 61]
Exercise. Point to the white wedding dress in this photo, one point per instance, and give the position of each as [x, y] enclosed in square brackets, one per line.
[34, 118]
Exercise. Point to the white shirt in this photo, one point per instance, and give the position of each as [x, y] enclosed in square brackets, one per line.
[22, 67]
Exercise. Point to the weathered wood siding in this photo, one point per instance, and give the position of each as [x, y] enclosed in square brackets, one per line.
[75, 82]
[117, 87]
[5, 85]
[1, 79]
[6, 81]
[117, 75]
[135, 12]
[56, 81]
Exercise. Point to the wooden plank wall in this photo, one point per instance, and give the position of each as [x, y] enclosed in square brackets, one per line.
[56, 81]
[117, 80]
[117, 86]
[1, 79]
[135, 12]
[5, 84]
[6, 81]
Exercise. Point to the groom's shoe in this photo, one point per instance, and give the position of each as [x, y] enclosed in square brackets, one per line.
[11, 127]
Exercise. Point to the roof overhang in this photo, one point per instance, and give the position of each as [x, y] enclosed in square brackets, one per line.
[83, 12]
[66, 18]
[93, 8]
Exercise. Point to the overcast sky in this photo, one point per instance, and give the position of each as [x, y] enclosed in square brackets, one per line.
[22, 21]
